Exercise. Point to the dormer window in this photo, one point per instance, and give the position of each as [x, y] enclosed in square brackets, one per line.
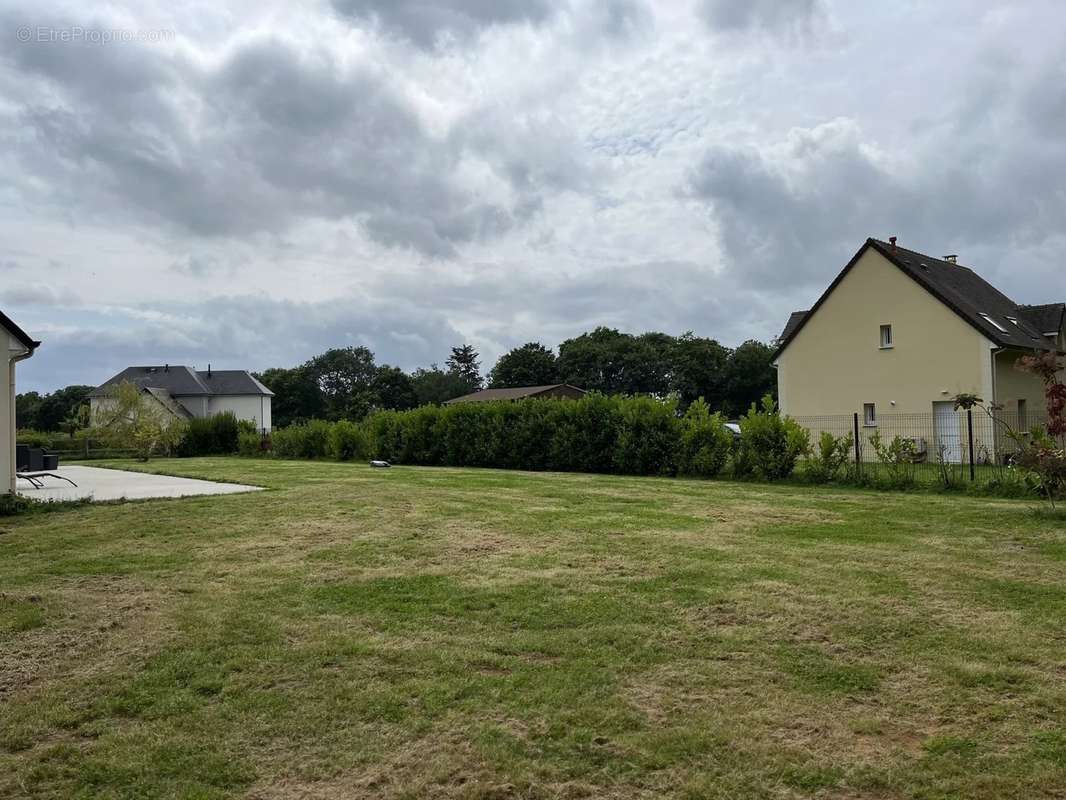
[991, 322]
[886, 337]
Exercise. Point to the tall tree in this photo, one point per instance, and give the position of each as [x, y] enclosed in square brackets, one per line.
[433, 386]
[26, 406]
[532, 364]
[344, 375]
[750, 375]
[393, 388]
[464, 362]
[297, 396]
[47, 412]
[699, 370]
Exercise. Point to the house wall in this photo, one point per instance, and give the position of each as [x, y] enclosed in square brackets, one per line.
[250, 407]
[14, 348]
[834, 364]
[1013, 385]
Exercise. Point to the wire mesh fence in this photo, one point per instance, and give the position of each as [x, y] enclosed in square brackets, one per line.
[947, 438]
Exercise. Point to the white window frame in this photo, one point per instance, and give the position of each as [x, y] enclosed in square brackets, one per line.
[869, 420]
[886, 341]
[991, 321]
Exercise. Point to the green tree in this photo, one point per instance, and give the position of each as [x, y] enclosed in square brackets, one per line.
[464, 362]
[393, 389]
[131, 419]
[611, 362]
[532, 364]
[26, 407]
[297, 396]
[750, 376]
[433, 386]
[47, 412]
[344, 376]
[699, 370]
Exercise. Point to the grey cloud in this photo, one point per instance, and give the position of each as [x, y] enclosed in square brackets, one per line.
[38, 296]
[427, 22]
[233, 332]
[281, 135]
[776, 16]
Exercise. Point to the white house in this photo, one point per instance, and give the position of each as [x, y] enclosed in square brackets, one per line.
[19, 346]
[187, 393]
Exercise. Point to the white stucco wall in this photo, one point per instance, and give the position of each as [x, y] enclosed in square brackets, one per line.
[250, 407]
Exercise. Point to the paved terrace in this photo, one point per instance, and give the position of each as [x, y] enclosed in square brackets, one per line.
[115, 484]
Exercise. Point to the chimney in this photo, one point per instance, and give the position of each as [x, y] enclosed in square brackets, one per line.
[209, 370]
[166, 368]
[892, 241]
[952, 257]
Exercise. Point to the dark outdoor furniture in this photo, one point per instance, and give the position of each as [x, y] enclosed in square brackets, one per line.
[33, 463]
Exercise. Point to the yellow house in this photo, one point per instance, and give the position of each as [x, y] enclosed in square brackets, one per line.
[897, 335]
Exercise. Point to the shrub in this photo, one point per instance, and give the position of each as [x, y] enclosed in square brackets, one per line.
[13, 504]
[250, 443]
[898, 461]
[705, 441]
[648, 437]
[217, 435]
[347, 441]
[829, 457]
[769, 443]
[306, 440]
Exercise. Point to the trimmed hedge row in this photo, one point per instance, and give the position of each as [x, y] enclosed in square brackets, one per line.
[596, 433]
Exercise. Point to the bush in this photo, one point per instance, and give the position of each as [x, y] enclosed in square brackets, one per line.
[705, 441]
[14, 504]
[829, 457]
[347, 441]
[217, 435]
[305, 440]
[769, 443]
[898, 461]
[250, 443]
[648, 437]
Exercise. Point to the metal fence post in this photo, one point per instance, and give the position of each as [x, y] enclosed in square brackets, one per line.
[858, 459]
[969, 434]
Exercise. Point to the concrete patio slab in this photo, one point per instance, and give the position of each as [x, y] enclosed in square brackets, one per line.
[115, 484]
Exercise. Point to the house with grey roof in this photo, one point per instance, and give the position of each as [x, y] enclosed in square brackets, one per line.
[519, 393]
[186, 393]
[898, 332]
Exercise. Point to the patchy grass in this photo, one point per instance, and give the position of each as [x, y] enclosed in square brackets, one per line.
[478, 634]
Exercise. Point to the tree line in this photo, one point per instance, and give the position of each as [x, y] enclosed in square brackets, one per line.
[347, 383]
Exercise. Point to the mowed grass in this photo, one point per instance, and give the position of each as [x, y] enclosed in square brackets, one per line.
[456, 633]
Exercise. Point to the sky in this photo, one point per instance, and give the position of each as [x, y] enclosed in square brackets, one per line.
[249, 184]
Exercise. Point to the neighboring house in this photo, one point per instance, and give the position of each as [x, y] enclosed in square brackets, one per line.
[899, 332]
[186, 393]
[519, 393]
[19, 346]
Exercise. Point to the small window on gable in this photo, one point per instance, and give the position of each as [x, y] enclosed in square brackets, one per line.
[869, 414]
[886, 336]
[992, 322]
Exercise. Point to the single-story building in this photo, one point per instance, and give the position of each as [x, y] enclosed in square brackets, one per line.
[519, 393]
[20, 346]
[186, 393]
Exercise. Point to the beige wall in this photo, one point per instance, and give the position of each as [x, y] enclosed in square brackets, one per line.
[1012, 385]
[14, 348]
[834, 364]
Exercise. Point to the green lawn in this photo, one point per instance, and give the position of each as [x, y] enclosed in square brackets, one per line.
[479, 634]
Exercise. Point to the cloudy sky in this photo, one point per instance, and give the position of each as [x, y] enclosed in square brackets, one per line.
[251, 183]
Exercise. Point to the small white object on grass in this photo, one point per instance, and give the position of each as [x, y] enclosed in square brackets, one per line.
[380, 464]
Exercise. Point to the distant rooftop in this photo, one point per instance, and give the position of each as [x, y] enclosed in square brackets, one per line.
[182, 381]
